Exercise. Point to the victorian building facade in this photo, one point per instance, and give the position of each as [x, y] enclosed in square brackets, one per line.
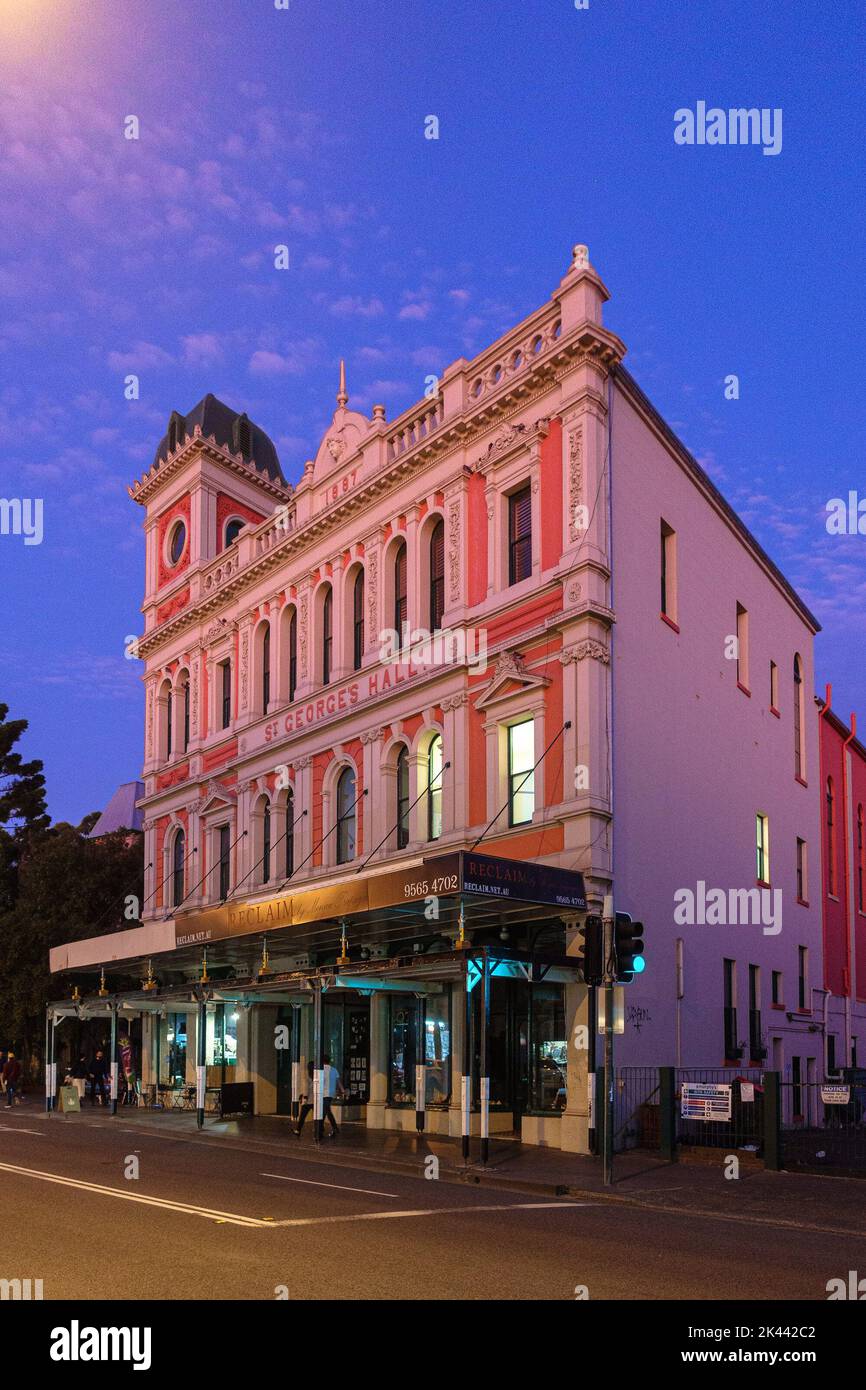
[519, 622]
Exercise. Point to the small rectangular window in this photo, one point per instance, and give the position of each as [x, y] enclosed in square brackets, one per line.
[832, 1065]
[762, 826]
[520, 535]
[742, 647]
[521, 778]
[802, 878]
[732, 1048]
[668, 572]
[776, 985]
[774, 686]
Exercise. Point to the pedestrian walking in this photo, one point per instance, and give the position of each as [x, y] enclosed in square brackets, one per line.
[307, 1099]
[12, 1078]
[98, 1076]
[332, 1086]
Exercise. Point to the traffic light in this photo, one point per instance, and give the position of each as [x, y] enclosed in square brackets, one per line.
[591, 936]
[628, 947]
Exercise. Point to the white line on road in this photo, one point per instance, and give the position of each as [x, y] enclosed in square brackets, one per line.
[184, 1208]
[341, 1187]
[16, 1129]
[427, 1211]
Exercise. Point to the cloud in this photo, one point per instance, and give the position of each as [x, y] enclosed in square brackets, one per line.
[202, 349]
[353, 306]
[140, 358]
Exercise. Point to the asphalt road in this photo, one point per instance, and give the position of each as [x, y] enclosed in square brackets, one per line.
[205, 1222]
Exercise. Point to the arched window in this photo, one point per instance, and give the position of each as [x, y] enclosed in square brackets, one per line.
[861, 851]
[437, 575]
[293, 654]
[434, 788]
[327, 635]
[403, 798]
[177, 858]
[799, 759]
[346, 816]
[266, 844]
[233, 530]
[290, 834]
[400, 591]
[266, 668]
[831, 837]
[170, 720]
[358, 621]
[186, 715]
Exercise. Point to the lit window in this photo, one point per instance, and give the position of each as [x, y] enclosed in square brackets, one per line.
[434, 788]
[346, 816]
[521, 777]
[763, 847]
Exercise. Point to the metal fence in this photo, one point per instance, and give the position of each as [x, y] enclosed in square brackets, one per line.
[636, 1108]
[821, 1130]
[743, 1128]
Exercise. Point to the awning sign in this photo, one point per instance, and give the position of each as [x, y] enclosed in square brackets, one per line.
[835, 1095]
[703, 1100]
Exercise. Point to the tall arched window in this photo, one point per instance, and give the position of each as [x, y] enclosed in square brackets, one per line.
[799, 759]
[434, 788]
[233, 530]
[403, 798]
[186, 714]
[437, 575]
[831, 837]
[170, 720]
[861, 852]
[358, 621]
[177, 858]
[327, 635]
[346, 816]
[266, 668]
[293, 654]
[290, 834]
[400, 590]
[266, 844]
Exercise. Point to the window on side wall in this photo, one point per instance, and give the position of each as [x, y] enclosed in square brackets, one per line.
[762, 828]
[226, 689]
[434, 788]
[521, 777]
[802, 872]
[668, 573]
[742, 648]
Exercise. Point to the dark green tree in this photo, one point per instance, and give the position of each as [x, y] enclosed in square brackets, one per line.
[23, 814]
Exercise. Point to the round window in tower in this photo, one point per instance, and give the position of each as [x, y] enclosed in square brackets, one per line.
[177, 542]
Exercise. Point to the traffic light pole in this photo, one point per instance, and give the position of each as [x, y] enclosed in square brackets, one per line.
[609, 970]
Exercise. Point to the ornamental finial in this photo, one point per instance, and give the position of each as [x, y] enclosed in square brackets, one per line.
[342, 394]
[580, 259]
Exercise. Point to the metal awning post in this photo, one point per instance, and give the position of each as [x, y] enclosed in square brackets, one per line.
[318, 1065]
[484, 1067]
[113, 1007]
[421, 1064]
[466, 1097]
[49, 1061]
[296, 1061]
[201, 1059]
[155, 1019]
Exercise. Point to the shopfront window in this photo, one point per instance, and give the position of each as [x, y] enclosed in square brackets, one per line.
[172, 1050]
[346, 1030]
[403, 1033]
[548, 1047]
[221, 1041]
[437, 1048]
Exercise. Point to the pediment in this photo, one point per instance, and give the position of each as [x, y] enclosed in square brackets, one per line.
[217, 798]
[511, 678]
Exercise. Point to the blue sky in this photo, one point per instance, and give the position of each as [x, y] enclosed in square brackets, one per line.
[306, 127]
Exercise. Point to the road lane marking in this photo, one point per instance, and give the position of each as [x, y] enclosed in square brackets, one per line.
[184, 1208]
[341, 1187]
[16, 1129]
[425, 1211]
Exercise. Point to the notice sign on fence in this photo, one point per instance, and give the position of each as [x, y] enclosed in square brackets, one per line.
[703, 1100]
[835, 1095]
